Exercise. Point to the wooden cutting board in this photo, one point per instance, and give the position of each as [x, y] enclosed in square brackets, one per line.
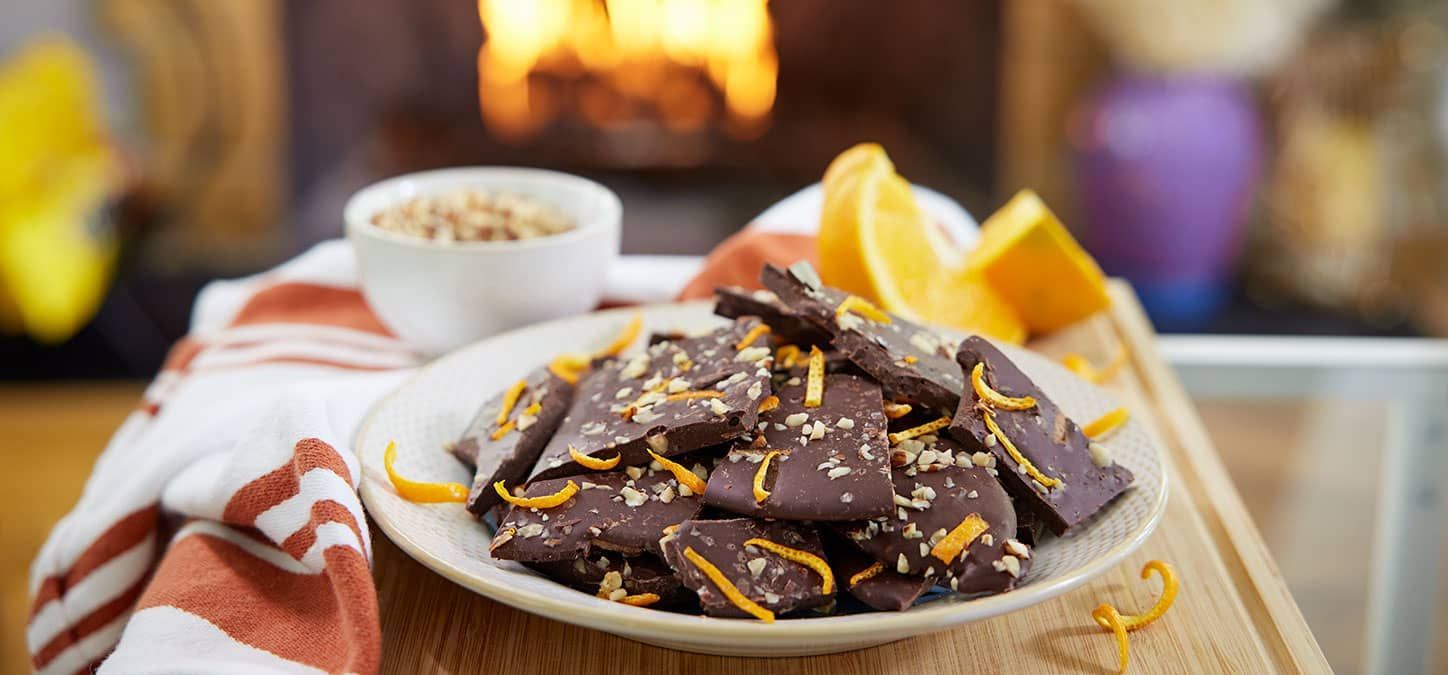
[1233, 613]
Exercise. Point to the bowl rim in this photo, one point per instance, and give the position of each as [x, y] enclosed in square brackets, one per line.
[357, 216]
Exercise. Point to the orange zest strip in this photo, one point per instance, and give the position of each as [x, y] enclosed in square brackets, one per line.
[533, 409]
[750, 337]
[769, 403]
[1107, 616]
[681, 473]
[949, 548]
[761, 494]
[814, 388]
[728, 589]
[1082, 367]
[863, 307]
[994, 398]
[569, 366]
[685, 395]
[1105, 424]
[1015, 453]
[640, 599]
[510, 400]
[867, 573]
[909, 358]
[810, 560]
[591, 462]
[786, 356]
[503, 430]
[912, 432]
[540, 502]
[1169, 586]
[417, 491]
[895, 411]
[624, 339]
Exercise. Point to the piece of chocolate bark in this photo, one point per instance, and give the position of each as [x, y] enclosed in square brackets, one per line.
[734, 302]
[774, 582]
[886, 590]
[1049, 440]
[914, 364]
[620, 511]
[674, 397]
[832, 461]
[495, 453]
[606, 573]
[934, 497]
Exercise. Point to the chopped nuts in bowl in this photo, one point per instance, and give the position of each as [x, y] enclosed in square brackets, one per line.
[473, 215]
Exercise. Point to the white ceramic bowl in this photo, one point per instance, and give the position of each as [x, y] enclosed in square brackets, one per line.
[441, 296]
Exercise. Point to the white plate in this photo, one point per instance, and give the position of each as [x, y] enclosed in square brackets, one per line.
[433, 407]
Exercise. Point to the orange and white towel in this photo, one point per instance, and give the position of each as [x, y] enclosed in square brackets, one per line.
[220, 531]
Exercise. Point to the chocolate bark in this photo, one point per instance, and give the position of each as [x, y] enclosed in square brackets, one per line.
[624, 406]
[509, 457]
[775, 583]
[735, 302]
[621, 511]
[637, 574]
[911, 362]
[886, 590]
[833, 462]
[935, 496]
[1044, 436]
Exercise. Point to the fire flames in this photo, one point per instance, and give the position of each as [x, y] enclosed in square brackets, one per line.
[613, 63]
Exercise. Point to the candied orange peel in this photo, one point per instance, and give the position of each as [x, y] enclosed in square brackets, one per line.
[1105, 424]
[686, 395]
[419, 491]
[895, 411]
[1110, 618]
[639, 599]
[569, 366]
[970, 528]
[814, 388]
[751, 336]
[625, 338]
[1107, 616]
[867, 573]
[994, 398]
[591, 462]
[810, 560]
[769, 403]
[503, 430]
[786, 356]
[910, 358]
[761, 494]
[681, 473]
[1083, 368]
[863, 307]
[1015, 453]
[929, 427]
[539, 502]
[510, 400]
[729, 590]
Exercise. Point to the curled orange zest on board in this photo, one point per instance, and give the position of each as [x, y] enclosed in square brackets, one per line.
[1105, 424]
[814, 388]
[1109, 618]
[750, 337]
[994, 398]
[867, 573]
[1106, 615]
[418, 491]
[1015, 453]
[591, 462]
[761, 494]
[729, 590]
[912, 432]
[810, 560]
[539, 502]
[863, 307]
[681, 473]
[510, 400]
[948, 549]
[769, 403]
[624, 339]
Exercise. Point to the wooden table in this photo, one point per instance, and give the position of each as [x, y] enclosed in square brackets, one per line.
[1233, 614]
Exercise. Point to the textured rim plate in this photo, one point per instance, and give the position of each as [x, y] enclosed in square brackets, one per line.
[433, 407]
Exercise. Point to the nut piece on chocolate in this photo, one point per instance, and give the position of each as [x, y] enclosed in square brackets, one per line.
[777, 584]
[620, 511]
[637, 574]
[833, 463]
[509, 457]
[1045, 436]
[933, 499]
[911, 362]
[672, 398]
[886, 590]
[735, 302]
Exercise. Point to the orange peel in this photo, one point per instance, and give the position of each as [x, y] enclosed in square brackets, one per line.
[639, 599]
[591, 462]
[1083, 368]
[539, 502]
[625, 338]
[729, 590]
[867, 573]
[569, 366]
[1015, 453]
[420, 491]
[686, 395]
[814, 388]
[503, 430]
[769, 403]
[1107, 616]
[910, 358]
[920, 430]
[810, 560]
[1169, 586]
[862, 307]
[961, 536]
[761, 494]
[895, 411]
[786, 356]
[751, 336]
[1105, 424]
[681, 473]
[994, 398]
[510, 400]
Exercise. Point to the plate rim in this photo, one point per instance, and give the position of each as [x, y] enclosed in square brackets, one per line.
[613, 617]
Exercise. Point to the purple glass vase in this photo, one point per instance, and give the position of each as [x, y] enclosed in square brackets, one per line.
[1166, 166]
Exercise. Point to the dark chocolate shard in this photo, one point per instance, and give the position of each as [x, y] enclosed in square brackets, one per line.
[620, 511]
[775, 583]
[886, 590]
[1045, 436]
[833, 463]
[636, 574]
[914, 364]
[633, 404]
[509, 457]
[735, 302]
[935, 496]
